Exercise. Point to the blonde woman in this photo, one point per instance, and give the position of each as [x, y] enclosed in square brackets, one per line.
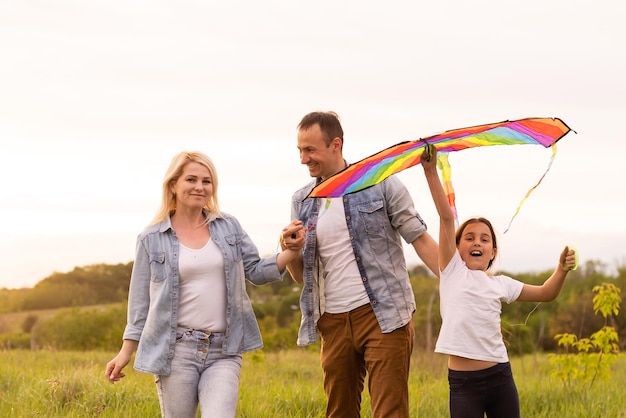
[189, 316]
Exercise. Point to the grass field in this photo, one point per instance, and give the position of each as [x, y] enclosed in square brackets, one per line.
[281, 384]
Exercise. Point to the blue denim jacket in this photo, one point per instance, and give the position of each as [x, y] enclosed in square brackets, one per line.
[377, 218]
[154, 291]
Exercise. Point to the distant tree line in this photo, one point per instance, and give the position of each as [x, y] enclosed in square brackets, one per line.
[89, 306]
[84, 286]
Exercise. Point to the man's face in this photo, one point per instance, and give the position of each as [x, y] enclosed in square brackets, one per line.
[322, 160]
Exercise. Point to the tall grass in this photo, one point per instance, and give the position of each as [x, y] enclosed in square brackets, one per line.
[273, 384]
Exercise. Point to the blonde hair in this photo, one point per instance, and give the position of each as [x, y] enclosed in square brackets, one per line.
[173, 173]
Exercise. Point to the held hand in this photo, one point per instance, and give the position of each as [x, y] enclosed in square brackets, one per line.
[568, 259]
[293, 236]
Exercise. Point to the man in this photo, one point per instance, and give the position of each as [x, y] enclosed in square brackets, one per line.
[356, 292]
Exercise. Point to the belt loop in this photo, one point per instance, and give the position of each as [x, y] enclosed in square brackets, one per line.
[205, 331]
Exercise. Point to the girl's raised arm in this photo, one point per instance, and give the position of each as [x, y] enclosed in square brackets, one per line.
[447, 240]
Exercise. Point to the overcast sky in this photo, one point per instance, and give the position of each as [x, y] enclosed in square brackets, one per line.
[97, 96]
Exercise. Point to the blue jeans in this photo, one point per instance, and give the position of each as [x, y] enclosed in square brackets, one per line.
[200, 374]
[491, 391]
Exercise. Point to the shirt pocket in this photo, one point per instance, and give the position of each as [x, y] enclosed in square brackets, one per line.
[234, 246]
[373, 217]
[157, 266]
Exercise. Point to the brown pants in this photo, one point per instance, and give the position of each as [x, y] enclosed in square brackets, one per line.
[353, 345]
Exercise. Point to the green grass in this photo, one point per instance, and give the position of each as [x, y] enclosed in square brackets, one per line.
[277, 384]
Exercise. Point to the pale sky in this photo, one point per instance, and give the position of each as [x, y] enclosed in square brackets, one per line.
[97, 96]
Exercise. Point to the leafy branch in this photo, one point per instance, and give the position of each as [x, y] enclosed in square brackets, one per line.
[588, 359]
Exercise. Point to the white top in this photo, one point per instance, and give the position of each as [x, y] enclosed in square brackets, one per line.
[471, 304]
[343, 286]
[202, 303]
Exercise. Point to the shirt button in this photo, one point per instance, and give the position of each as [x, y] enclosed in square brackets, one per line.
[348, 217]
[364, 279]
[373, 302]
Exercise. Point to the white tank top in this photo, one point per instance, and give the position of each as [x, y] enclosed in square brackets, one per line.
[202, 291]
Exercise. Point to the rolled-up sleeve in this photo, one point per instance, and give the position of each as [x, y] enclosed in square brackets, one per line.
[401, 210]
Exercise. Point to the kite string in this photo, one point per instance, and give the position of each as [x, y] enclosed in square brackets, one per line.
[553, 146]
[446, 175]
[527, 317]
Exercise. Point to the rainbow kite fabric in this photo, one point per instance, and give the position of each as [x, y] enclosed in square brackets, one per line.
[375, 168]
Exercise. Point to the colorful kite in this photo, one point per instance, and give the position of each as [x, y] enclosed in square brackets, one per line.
[375, 168]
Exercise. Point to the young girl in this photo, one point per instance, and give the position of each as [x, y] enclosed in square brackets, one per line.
[479, 373]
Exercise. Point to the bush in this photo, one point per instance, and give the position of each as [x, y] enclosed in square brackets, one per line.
[80, 329]
[14, 341]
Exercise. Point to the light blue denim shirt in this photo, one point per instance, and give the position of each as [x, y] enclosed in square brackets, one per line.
[377, 218]
[154, 291]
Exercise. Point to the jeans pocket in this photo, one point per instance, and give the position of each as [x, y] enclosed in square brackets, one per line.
[180, 336]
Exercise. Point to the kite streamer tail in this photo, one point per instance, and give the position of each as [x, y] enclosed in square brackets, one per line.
[553, 146]
[446, 175]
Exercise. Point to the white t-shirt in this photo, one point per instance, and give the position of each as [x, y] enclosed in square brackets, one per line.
[471, 304]
[202, 297]
[343, 285]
